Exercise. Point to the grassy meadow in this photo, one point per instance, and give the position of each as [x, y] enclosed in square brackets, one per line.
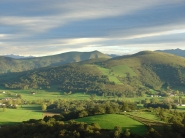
[122, 70]
[109, 121]
[22, 113]
[55, 94]
[146, 115]
[43, 94]
[111, 76]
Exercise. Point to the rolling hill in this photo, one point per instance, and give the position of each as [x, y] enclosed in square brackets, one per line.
[124, 76]
[17, 65]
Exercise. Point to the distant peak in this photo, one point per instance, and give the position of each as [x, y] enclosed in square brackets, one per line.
[17, 56]
[96, 51]
[177, 51]
[144, 52]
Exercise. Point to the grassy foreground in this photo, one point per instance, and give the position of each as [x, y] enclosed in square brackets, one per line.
[109, 121]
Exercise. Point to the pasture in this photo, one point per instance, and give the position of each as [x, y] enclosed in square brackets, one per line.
[22, 113]
[109, 121]
[111, 76]
[147, 115]
[122, 70]
[43, 94]
[181, 108]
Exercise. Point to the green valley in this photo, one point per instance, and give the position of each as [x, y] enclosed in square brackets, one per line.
[139, 95]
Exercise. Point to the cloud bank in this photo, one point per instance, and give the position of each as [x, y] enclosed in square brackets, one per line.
[43, 27]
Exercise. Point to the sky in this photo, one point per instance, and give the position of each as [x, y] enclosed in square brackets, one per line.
[45, 27]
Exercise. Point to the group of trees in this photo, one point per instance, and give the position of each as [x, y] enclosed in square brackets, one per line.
[161, 105]
[11, 102]
[75, 109]
[59, 129]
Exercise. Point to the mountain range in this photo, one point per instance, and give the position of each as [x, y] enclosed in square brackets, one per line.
[177, 52]
[128, 74]
[17, 56]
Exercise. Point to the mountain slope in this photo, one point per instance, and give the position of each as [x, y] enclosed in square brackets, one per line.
[125, 75]
[177, 52]
[155, 69]
[17, 65]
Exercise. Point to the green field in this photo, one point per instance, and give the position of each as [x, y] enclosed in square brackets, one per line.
[55, 95]
[147, 115]
[181, 108]
[24, 113]
[111, 76]
[109, 121]
[116, 71]
[122, 70]
[43, 94]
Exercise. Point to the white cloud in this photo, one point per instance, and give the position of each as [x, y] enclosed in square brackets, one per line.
[74, 11]
[3, 36]
[27, 32]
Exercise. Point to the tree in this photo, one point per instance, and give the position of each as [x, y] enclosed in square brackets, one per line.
[44, 107]
[127, 133]
[83, 113]
[116, 134]
[147, 101]
[92, 97]
[168, 100]
[180, 100]
[19, 96]
[117, 131]
[10, 102]
[154, 100]
[125, 106]
[4, 108]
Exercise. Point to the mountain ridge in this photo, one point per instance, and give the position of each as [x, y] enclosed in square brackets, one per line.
[18, 65]
[126, 74]
[178, 52]
[17, 56]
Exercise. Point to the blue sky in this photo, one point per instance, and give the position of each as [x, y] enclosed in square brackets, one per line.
[45, 27]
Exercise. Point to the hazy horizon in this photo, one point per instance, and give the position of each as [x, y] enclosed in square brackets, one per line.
[87, 51]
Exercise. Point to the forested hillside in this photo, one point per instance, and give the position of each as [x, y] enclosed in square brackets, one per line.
[154, 69]
[122, 76]
[18, 65]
